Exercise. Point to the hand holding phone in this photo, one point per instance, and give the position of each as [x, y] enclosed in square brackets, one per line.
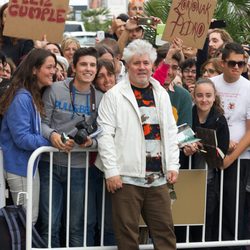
[145, 21]
[100, 35]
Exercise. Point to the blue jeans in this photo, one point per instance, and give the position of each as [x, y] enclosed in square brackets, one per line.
[59, 198]
[96, 178]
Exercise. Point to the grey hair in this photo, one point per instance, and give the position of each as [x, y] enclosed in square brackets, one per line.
[139, 47]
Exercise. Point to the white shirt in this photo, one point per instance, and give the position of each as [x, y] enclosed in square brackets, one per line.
[235, 101]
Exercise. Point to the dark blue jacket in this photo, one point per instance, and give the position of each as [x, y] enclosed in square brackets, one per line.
[20, 133]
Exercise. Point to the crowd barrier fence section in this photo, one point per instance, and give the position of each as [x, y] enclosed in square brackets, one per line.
[184, 245]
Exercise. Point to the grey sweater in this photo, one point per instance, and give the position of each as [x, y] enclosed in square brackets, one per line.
[61, 118]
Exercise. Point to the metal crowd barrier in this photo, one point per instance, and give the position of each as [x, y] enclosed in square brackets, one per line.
[184, 245]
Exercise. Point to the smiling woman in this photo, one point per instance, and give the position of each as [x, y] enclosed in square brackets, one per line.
[20, 133]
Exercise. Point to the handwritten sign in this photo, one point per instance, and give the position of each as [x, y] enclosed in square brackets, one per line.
[189, 20]
[32, 19]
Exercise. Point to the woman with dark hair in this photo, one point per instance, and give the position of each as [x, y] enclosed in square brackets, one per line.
[104, 80]
[14, 48]
[54, 48]
[8, 69]
[21, 107]
[208, 113]
[105, 52]
[105, 75]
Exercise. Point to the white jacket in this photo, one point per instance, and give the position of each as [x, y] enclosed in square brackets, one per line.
[121, 145]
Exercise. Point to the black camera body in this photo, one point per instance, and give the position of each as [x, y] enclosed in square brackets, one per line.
[82, 130]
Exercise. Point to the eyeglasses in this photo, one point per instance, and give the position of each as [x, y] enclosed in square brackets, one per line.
[209, 71]
[188, 71]
[232, 63]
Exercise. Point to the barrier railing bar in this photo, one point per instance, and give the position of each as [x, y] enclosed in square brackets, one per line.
[50, 197]
[184, 245]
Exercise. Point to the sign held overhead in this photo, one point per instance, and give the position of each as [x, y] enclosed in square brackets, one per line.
[31, 19]
[189, 20]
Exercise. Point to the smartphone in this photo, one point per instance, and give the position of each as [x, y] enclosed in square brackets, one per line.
[100, 35]
[145, 21]
[217, 24]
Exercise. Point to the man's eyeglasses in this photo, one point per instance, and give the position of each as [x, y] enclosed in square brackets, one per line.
[232, 63]
[188, 71]
[209, 71]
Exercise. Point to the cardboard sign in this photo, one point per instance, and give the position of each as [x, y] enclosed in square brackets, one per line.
[189, 208]
[32, 19]
[189, 20]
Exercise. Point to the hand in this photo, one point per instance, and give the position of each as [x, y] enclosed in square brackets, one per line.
[87, 143]
[175, 47]
[172, 176]
[232, 146]
[68, 145]
[156, 20]
[56, 141]
[114, 183]
[191, 88]
[132, 23]
[41, 43]
[190, 149]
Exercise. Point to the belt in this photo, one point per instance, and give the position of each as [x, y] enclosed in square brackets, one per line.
[152, 177]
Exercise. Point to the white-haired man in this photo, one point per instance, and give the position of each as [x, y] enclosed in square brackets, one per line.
[138, 151]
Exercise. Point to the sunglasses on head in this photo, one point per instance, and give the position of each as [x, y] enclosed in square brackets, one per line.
[232, 63]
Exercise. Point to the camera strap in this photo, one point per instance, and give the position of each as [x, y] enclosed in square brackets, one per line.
[72, 97]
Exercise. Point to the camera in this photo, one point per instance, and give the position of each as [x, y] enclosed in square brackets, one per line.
[145, 21]
[217, 24]
[82, 130]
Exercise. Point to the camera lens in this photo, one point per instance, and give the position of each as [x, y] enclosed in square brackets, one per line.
[81, 136]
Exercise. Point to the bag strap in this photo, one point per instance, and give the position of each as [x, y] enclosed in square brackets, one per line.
[13, 229]
[37, 241]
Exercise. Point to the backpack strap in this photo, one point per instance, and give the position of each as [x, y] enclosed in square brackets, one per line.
[37, 241]
[13, 229]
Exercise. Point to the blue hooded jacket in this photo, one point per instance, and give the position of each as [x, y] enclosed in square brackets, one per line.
[20, 133]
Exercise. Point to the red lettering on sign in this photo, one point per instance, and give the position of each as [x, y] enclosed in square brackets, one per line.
[34, 12]
[47, 3]
[13, 10]
[38, 12]
[44, 12]
[60, 16]
[23, 11]
[34, 2]
[187, 27]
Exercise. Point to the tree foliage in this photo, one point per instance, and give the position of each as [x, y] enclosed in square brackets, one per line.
[93, 19]
[236, 13]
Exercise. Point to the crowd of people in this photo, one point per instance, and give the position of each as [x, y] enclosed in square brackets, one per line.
[137, 94]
